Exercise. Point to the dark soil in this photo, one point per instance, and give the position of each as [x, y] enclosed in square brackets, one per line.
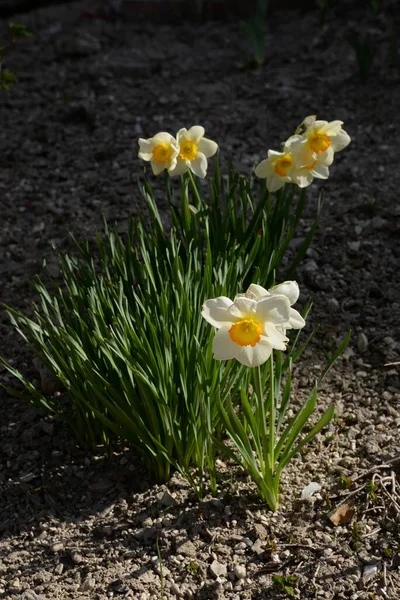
[76, 525]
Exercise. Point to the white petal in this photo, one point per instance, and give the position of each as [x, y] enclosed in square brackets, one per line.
[274, 309]
[275, 182]
[302, 154]
[332, 128]
[340, 141]
[317, 126]
[158, 167]
[302, 178]
[243, 307]
[165, 138]
[180, 168]
[199, 165]
[274, 153]
[296, 321]
[215, 312]
[254, 356]
[275, 337]
[326, 158]
[294, 141]
[181, 135]
[258, 290]
[223, 347]
[146, 148]
[290, 289]
[320, 171]
[207, 147]
[263, 170]
[145, 155]
[195, 133]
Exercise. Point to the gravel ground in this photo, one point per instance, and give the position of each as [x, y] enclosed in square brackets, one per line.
[75, 525]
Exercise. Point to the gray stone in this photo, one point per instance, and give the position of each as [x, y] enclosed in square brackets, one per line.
[218, 569]
[333, 305]
[87, 584]
[31, 595]
[76, 557]
[258, 547]
[240, 571]
[174, 589]
[57, 546]
[187, 548]
[166, 499]
[260, 532]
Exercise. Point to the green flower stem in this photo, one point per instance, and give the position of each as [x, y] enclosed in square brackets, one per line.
[195, 190]
[186, 216]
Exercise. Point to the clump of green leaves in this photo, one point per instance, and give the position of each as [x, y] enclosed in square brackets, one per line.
[264, 441]
[124, 334]
[7, 78]
[192, 568]
[371, 491]
[285, 584]
[344, 482]
[356, 535]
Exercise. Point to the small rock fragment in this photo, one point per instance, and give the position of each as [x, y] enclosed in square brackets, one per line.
[258, 547]
[260, 532]
[240, 571]
[333, 305]
[362, 342]
[166, 499]
[76, 557]
[87, 584]
[174, 589]
[31, 595]
[370, 571]
[187, 548]
[57, 546]
[218, 569]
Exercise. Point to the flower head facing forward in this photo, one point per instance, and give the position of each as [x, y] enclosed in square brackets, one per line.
[161, 150]
[321, 135]
[194, 149]
[276, 169]
[248, 329]
[307, 164]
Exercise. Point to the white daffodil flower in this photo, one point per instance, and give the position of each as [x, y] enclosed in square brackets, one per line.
[161, 150]
[248, 329]
[194, 149]
[307, 164]
[290, 290]
[322, 136]
[276, 169]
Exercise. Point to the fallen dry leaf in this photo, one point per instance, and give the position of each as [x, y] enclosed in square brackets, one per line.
[342, 515]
